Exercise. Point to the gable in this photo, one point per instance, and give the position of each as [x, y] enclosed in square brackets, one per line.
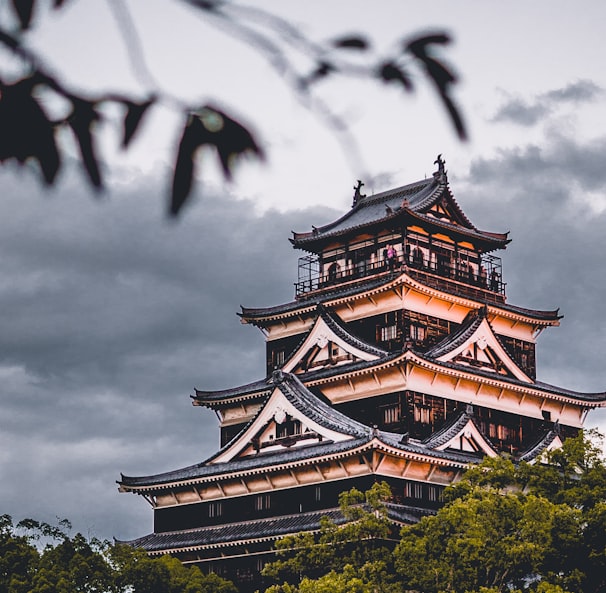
[281, 425]
[483, 350]
[469, 439]
[324, 347]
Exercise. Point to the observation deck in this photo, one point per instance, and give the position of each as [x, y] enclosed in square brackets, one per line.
[482, 282]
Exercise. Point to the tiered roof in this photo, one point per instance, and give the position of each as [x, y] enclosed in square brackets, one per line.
[413, 201]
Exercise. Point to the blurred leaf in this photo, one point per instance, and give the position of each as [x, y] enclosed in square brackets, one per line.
[209, 5]
[351, 42]
[191, 139]
[24, 9]
[322, 70]
[25, 131]
[134, 116]
[439, 74]
[209, 127]
[232, 141]
[391, 72]
[81, 121]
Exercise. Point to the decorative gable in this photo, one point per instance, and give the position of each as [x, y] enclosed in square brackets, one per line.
[468, 438]
[477, 346]
[291, 417]
[327, 345]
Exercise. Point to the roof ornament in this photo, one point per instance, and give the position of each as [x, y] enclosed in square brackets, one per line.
[357, 194]
[440, 162]
[277, 377]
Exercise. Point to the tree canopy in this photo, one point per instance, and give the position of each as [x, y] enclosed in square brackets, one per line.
[39, 558]
[504, 528]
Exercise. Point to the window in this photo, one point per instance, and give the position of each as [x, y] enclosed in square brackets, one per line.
[389, 332]
[417, 333]
[279, 357]
[391, 414]
[432, 493]
[262, 502]
[318, 493]
[288, 428]
[422, 414]
[413, 490]
[215, 509]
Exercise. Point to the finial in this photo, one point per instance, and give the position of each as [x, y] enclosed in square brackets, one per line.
[277, 377]
[440, 162]
[357, 194]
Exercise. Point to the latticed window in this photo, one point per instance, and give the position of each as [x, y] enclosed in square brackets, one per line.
[391, 414]
[389, 332]
[288, 428]
[417, 333]
[262, 502]
[422, 414]
[215, 509]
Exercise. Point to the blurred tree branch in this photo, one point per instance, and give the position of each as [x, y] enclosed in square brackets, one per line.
[29, 133]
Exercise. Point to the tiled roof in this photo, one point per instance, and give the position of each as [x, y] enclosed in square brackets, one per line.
[309, 304]
[415, 198]
[259, 529]
[541, 445]
[453, 340]
[336, 324]
[451, 429]
[315, 409]
[252, 390]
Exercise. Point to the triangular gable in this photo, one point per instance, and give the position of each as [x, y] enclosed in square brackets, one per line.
[468, 438]
[279, 425]
[325, 347]
[446, 211]
[482, 349]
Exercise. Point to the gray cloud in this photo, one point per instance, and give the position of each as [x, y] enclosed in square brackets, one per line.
[554, 260]
[528, 113]
[110, 315]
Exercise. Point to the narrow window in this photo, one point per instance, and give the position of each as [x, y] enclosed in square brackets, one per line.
[389, 332]
[391, 414]
[215, 509]
[263, 502]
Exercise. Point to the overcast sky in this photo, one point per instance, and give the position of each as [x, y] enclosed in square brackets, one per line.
[110, 314]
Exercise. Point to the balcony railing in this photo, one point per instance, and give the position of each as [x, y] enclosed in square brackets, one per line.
[461, 278]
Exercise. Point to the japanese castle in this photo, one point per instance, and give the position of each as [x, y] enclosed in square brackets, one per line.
[399, 360]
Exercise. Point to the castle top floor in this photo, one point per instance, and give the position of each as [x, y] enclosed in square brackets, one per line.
[419, 227]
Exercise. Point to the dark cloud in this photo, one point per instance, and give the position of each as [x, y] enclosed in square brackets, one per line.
[528, 113]
[552, 199]
[110, 315]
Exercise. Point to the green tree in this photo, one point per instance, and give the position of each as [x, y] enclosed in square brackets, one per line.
[18, 559]
[40, 558]
[353, 555]
[532, 527]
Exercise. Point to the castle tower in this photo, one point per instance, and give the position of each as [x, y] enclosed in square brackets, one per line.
[399, 360]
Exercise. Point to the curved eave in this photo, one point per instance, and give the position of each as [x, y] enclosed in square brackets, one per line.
[326, 232]
[295, 309]
[490, 241]
[538, 389]
[380, 442]
[216, 399]
[160, 482]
